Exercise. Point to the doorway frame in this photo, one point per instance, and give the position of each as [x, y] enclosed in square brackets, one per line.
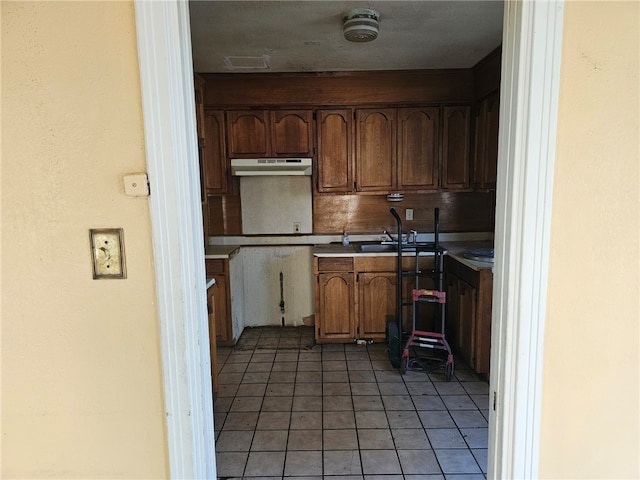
[532, 42]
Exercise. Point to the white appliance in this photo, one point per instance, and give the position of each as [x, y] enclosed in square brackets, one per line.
[250, 167]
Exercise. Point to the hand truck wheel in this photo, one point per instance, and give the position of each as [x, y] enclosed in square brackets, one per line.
[394, 343]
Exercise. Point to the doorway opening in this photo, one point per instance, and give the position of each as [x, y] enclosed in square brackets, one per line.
[530, 74]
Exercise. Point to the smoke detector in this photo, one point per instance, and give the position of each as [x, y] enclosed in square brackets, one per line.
[361, 25]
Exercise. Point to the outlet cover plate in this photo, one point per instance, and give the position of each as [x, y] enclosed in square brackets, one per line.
[107, 249]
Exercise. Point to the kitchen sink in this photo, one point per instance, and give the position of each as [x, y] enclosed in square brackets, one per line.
[375, 247]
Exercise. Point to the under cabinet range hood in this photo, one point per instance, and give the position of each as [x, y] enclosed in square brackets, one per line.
[251, 167]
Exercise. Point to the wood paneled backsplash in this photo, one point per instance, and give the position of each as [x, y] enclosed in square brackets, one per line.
[369, 214]
[459, 212]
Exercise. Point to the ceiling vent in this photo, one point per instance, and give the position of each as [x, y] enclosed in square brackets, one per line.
[361, 25]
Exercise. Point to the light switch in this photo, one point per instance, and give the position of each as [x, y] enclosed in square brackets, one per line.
[136, 185]
[108, 253]
[408, 214]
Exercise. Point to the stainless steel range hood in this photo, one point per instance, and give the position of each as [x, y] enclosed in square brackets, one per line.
[248, 167]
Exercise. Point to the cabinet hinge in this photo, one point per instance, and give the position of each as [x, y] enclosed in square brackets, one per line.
[495, 401]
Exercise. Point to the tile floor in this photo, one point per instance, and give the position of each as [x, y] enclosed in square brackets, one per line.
[287, 408]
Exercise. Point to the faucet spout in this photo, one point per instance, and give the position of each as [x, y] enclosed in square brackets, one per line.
[386, 232]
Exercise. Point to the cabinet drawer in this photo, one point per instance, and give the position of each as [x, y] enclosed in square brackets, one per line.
[390, 263]
[335, 264]
[215, 266]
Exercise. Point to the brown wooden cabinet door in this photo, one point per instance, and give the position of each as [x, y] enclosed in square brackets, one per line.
[375, 149]
[198, 82]
[222, 310]
[485, 161]
[467, 296]
[334, 132]
[455, 147]
[492, 107]
[452, 313]
[249, 134]
[292, 133]
[377, 295]
[214, 169]
[336, 313]
[213, 350]
[418, 148]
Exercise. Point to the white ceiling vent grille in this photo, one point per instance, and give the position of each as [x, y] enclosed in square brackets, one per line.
[239, 62]
[361, 25]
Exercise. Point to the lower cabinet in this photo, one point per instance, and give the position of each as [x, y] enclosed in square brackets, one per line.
[220, 295]
[335, 309]
[468, 313]
[356, 296]
[213, 349]
[377, 303]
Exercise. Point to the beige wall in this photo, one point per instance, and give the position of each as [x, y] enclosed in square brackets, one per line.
[81, 375]
[81, 379]
[590, 402]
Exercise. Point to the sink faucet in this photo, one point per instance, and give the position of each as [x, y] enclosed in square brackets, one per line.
[386, 232]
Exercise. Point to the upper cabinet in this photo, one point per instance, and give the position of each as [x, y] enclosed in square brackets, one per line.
[264, 133]
[292, 133]
[485, 159]
[335, 150]
[456, 127]
[395, 149]
[418, 148]
[215, 171]
[376, 149]
[249, 134]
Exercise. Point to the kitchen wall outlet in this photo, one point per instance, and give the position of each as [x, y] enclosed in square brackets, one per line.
[296, 227]
[107, 247]
[408, 214]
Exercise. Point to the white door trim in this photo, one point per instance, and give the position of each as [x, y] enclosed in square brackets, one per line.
[166, 77]
[530, 72]
[531, 54]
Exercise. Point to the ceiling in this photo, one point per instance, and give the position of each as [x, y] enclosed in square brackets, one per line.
[306, 36]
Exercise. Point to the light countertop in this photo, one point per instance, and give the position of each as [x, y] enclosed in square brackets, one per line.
[454, 249]
[220, 251]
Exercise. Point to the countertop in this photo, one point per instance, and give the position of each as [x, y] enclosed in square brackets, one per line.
[220, 251]
[454, 249]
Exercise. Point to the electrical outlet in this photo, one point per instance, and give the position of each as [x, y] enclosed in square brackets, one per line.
[408, 214]
[296, 227]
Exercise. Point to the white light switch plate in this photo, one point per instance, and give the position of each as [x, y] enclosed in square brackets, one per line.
[408, 214]
[136, 185]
